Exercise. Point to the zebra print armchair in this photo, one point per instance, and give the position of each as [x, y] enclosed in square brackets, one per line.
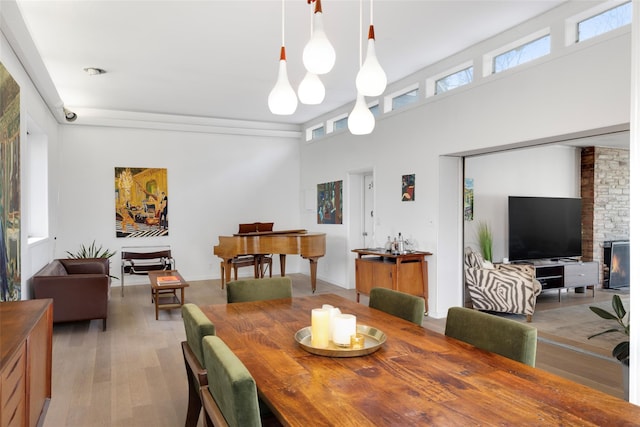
[505, 288]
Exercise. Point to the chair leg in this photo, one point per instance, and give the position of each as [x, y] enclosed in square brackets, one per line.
[529, 318]
[194, 406]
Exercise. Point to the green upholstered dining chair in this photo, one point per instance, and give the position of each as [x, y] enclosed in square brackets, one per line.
[506, 337]
[196, 326]
[258, 289]
[231, 397]
[400, 304]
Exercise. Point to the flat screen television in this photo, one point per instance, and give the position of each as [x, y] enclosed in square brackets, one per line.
[544, 228]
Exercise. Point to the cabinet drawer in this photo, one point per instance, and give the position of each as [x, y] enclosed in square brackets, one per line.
[581, 274]
[12, 395]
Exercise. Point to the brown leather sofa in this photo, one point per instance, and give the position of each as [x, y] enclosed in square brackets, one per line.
[79, 288]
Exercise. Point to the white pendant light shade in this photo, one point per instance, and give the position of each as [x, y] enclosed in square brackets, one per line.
[371, 79]
[361, 120]
[282, 98]
[318, 55]
[311, 90]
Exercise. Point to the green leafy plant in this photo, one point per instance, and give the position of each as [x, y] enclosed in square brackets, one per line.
[620, 351]
[91, 251]
[485, 240]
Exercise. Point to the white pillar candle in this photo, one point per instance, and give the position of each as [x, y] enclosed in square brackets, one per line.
[344, 326]
[319, 328]
[332, 315]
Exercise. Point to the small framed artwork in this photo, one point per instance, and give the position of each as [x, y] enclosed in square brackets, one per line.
[330, 203]
[468, 199]
[408, 188]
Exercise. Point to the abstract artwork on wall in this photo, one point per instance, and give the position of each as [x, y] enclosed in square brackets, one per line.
[468, 199]
[141, 198]
[330, 203]
[408, 188]
[9, 187]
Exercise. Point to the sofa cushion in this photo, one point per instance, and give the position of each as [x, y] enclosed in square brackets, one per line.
[54, 268]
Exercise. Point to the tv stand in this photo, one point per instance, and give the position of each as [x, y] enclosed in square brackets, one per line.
[564, 274]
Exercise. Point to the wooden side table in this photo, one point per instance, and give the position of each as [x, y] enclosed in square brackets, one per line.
[164, 295]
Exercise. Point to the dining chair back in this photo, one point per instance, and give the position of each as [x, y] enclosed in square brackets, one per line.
[258, 289]
[515, 340]
[231, 392]
[400, 304]
[196, 326]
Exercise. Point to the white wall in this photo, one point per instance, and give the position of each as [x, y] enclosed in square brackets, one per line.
[548, 171]
[34, 256]
[557, 95]
[215, 182]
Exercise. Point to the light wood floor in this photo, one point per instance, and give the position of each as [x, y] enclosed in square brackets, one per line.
[133, 374]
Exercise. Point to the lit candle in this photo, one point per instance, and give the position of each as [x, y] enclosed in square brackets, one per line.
[319, 328]
[357, 341]
[344, 326]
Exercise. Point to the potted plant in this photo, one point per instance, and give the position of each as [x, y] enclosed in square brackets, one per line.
[93, 251]
[485, 240]
[621, 350]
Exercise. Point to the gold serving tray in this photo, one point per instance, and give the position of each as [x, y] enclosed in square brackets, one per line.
[373, 340]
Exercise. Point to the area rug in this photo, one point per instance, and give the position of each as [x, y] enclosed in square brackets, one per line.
[571, 327]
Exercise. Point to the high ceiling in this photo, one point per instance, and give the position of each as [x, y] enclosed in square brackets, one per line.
[218, 59]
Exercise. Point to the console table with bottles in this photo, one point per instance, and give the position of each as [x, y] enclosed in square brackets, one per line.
[406, 272]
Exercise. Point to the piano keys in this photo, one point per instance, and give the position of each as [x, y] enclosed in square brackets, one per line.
[310, 246]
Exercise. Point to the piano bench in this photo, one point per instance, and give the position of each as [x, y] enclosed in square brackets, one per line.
[260, 263]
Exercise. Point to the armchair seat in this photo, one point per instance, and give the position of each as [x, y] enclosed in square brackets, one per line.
[505, 288]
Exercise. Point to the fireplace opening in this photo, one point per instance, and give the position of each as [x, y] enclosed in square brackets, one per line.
[616, 264]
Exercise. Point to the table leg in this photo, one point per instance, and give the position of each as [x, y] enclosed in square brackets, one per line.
[155, 298]
[283, 262]
[181, 296]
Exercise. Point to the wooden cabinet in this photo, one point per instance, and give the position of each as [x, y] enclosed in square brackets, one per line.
[25, 361]
[403, 272]
[567, 274]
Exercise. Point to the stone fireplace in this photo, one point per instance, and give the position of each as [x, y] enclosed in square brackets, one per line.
[605, 203]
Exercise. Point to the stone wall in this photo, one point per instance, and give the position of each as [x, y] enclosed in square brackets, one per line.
[605, 199]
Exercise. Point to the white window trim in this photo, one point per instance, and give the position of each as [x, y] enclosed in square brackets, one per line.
[487, 58]
[310, 129]
[571, 23]
[330, 122]
[430, 87]
[388, 99]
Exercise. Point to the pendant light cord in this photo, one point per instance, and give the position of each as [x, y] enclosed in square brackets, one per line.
[282, 22]
[360, 38]
[370, 12]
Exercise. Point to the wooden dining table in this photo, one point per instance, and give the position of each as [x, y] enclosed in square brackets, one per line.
[416, 377]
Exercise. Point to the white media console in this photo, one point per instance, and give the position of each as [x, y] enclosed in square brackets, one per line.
[559, 275]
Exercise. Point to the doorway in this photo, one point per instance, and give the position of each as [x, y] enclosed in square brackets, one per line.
[361, 216]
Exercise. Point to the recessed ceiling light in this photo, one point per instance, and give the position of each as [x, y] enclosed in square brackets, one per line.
[93, 71]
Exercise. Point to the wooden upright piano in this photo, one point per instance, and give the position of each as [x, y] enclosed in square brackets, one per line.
[310, 246]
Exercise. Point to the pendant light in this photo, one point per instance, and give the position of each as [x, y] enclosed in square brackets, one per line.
[371, 79]
[282, 98]
[318, 55]
[311, 90]
[361, 120]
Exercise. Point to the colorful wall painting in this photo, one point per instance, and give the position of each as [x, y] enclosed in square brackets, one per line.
[141, 202]
[408, 188]
[468, 199]
[10, 283]
[330, 203]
